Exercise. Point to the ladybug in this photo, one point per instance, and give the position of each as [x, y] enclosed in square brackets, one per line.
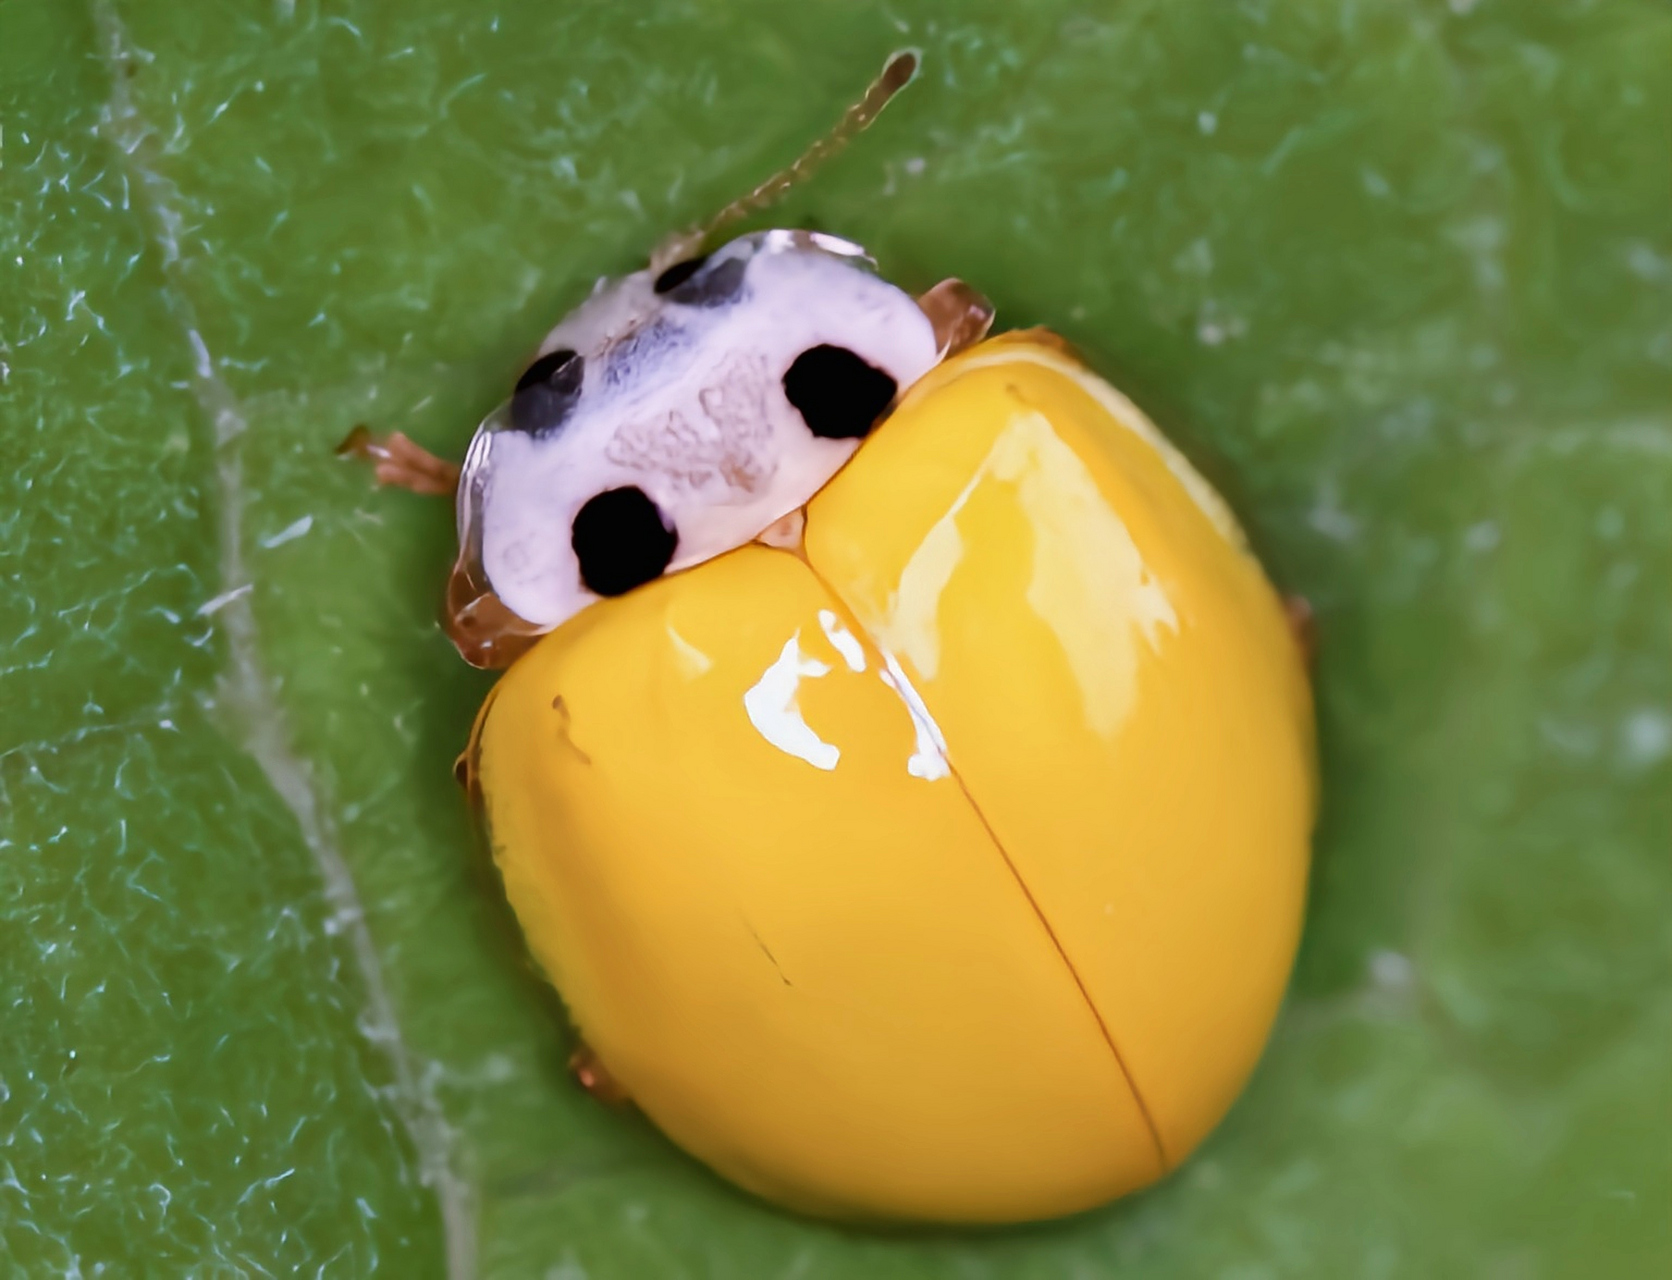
[902, 767]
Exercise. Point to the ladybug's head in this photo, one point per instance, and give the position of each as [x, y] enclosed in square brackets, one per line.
[683, 410]
[676, 416]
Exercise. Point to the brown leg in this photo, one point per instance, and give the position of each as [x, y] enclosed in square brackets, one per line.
[400, 463]
[465, 770]
[1303, 625]
[960, 315]
[594, 1077]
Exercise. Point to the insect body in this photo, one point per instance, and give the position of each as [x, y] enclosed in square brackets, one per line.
[942, 860]
[952, 871]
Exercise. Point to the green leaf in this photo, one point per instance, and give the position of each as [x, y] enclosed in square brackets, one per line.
[1397, 276]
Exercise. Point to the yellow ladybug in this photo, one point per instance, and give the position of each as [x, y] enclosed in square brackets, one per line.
[940, 856]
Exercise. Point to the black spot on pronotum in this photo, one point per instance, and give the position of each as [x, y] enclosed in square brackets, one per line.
[543, 370]
[621, 541]
[839, 396]
[547, 393]
[698, 283]
[678, 274]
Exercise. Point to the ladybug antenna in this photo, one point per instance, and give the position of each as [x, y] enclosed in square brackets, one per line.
[896, 74]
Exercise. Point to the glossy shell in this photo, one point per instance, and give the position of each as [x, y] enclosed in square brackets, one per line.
[954, 871]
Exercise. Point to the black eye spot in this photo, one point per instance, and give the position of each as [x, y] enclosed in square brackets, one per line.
[621, 541]
[840, 396]
[696, 284]
[547, 393]
[678, 274]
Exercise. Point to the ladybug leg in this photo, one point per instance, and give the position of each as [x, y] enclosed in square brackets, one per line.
[960, 315]
[482, 629]
[593, 1076]
[400, 463]
[1303, 625]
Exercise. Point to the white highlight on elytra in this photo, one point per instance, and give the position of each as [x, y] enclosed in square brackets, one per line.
[914, 609]
[1088, 582]
[693, 662]
[929, 760]
[1128, 415]
[771, 706]
[1089, 579]
[842, 640]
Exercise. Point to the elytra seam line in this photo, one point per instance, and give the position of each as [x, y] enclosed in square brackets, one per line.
[1022, 884]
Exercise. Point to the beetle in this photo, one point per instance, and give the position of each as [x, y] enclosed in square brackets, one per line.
[902, 768]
